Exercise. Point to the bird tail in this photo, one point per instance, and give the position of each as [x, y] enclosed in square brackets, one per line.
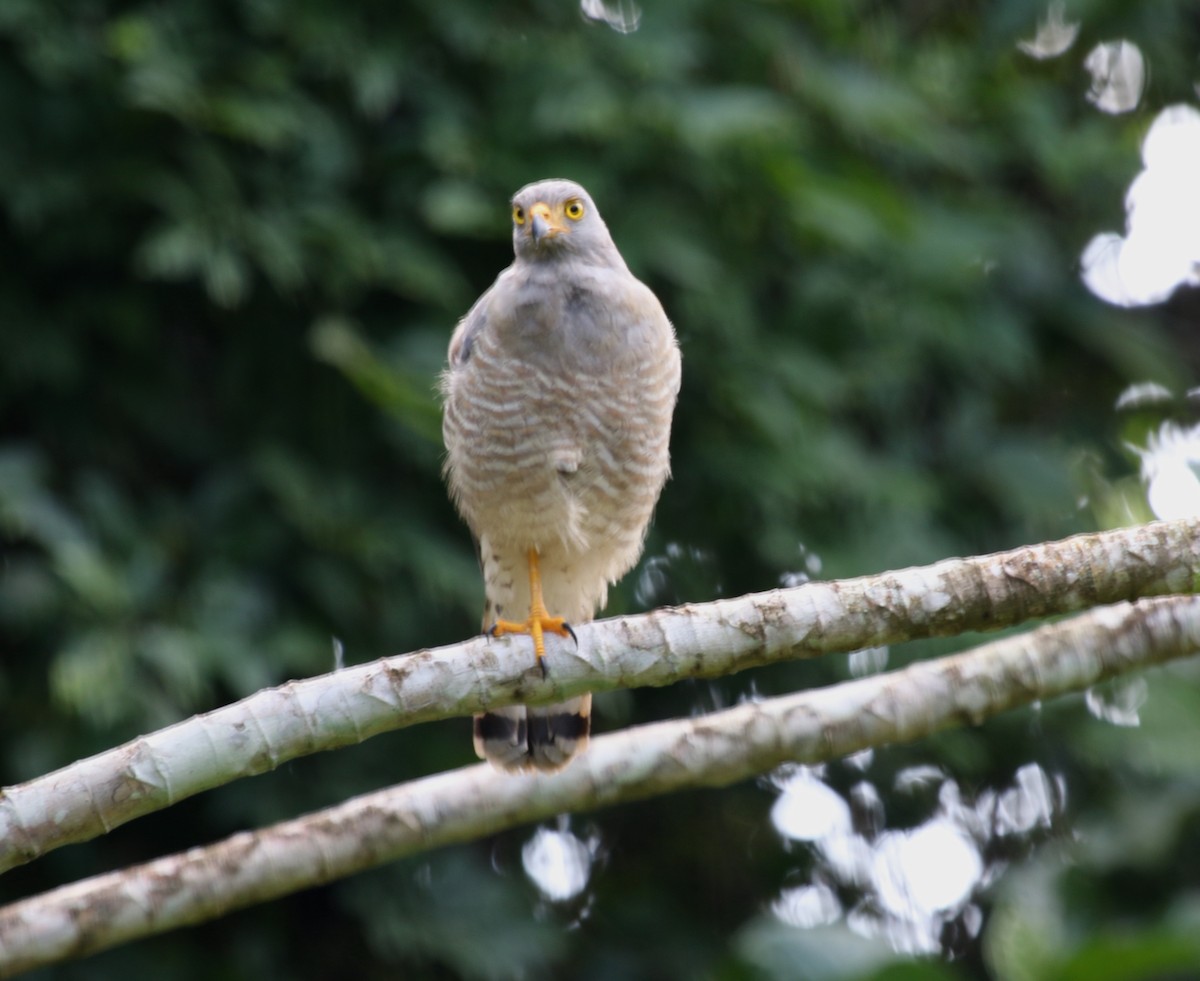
[526, 737]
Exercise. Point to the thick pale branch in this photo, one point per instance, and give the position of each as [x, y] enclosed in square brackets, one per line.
[713, 750]
[264, 730]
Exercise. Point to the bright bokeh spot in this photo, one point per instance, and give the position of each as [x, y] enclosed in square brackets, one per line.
[931, 869]
[1118, 76]
[867, 661]
[558, 862]
[1030, 803]
[808, 906]
[622, 15]
[1141, 395]
[1118, 702]
[1054, 34]
[1161, 248]
[1171, 471]
[809, 809]
[905, 886]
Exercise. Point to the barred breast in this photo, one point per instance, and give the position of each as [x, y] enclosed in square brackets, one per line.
[563, 447]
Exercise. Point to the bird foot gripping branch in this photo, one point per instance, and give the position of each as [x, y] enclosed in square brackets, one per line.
[540, 621]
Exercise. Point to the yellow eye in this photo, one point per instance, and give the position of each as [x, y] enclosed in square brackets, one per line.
[518, 215]
[574, 209]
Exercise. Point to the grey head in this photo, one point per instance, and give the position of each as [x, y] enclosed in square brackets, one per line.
[557, 218]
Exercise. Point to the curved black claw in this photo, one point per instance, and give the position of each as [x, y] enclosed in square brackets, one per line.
[545, 668]
[568, 628]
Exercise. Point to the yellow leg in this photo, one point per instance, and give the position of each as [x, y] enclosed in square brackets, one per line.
[540, 622]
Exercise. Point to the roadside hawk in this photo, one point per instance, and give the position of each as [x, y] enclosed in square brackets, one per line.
[558, 397]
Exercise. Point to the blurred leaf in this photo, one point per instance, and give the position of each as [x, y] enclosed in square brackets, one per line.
[336, 341]
[458, 914]
[823, 954]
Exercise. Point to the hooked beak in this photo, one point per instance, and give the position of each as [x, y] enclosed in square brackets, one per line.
[542, 223]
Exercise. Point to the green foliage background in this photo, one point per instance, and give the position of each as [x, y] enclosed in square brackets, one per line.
[236, 235]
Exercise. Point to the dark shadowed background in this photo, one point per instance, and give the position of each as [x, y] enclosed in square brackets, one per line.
[235, 236]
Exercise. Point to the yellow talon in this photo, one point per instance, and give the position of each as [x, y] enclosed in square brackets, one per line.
[540, 621]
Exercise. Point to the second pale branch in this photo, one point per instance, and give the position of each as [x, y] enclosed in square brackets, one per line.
[711, 750]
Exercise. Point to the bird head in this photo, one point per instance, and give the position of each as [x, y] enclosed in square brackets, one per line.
[553, 217]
